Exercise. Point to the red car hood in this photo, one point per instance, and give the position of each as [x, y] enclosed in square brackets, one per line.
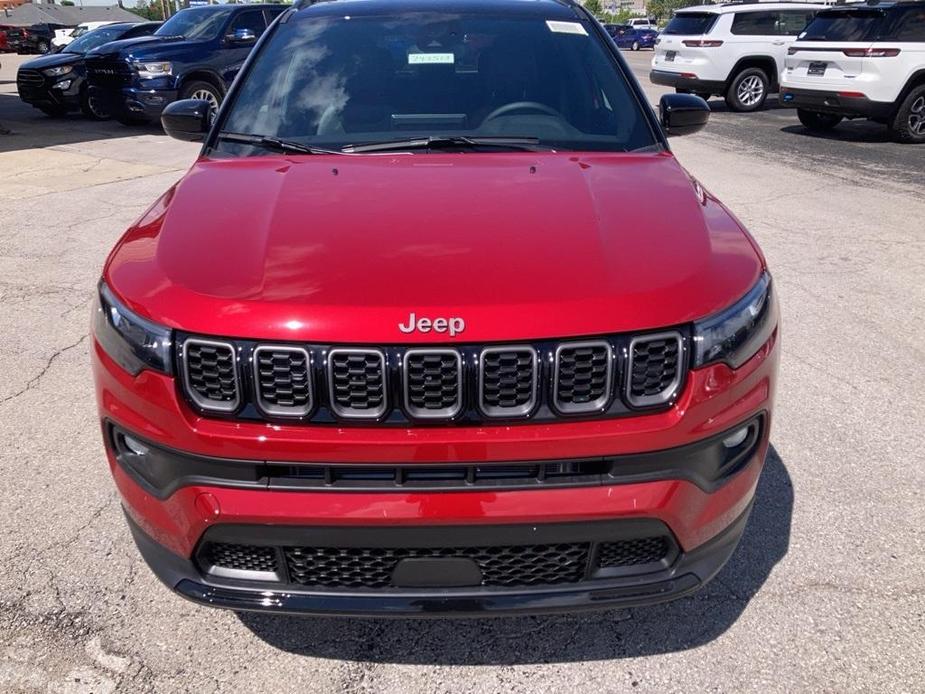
[520, 245]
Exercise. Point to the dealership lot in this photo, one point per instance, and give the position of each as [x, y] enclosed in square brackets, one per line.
[826, 591]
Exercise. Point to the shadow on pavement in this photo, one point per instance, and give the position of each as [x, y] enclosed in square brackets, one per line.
[676, 626]
[847, 131]
[30, 128]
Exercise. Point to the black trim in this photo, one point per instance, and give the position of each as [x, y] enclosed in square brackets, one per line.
[674, 79]
[831, 102]
[706, 463]
[688, 572]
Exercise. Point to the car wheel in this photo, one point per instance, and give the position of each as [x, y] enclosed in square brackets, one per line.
[635, 45]
[204, 91]
[53, 111]
[909, 124]
[42, 47]
[748, 90]
[92, 108]
[814, 120]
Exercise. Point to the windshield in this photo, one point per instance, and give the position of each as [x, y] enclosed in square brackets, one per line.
[843, 26]
[203, 24]
[91, 39]
[691, 23]
[334, 81]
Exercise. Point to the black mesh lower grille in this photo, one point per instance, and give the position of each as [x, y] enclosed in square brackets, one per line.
[654, 367]
[646, 550]
[211, 372]
[583, 377]
[433, 383]
[283, 380]
[239, 557]
[358, 382]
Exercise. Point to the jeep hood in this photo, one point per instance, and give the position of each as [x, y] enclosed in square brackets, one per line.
[520, 245]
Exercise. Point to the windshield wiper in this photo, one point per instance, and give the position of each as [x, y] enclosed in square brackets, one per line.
[273, 143]
[437, 141]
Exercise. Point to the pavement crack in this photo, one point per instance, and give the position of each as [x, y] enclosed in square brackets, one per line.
[38, 377]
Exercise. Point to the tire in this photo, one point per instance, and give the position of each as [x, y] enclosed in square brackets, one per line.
[635, 45]
[813, 120]
[198, 89]
[748, 90]
[908, 125]
[42, 47]
[92, 109]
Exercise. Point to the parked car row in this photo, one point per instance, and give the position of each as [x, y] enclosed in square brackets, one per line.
[863, 60]
[131, 71]
[633, 37]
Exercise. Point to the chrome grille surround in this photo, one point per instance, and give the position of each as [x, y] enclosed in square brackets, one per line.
[597, 403]
[274, 408]
[336, 401]
[194, 392]
[417, 411]
[668, 392]
[516, 410]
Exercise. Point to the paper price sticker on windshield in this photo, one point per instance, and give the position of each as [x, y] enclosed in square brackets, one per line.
[566, 28]
[431, 59]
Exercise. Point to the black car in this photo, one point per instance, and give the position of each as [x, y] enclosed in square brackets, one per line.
[37, 38]
[56, 83]
[195, 54]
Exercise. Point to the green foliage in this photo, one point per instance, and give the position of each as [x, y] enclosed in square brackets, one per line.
[664, 9]
[67, 3]
[151, 10]
[594, 7]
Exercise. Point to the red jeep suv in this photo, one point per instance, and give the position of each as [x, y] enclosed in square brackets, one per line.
[436, 324]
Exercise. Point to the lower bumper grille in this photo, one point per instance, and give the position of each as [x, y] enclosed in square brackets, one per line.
[501, 566]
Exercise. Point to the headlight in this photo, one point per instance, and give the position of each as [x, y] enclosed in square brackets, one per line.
[133, 342]
[58, 71]
[734, 335]
[149, 71]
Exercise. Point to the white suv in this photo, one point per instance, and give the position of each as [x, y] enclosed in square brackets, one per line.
[643, 23]
[735, 50]
[861, 61]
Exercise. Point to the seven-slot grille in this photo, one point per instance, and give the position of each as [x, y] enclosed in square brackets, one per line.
[29, 80]
[211, 375]
[583, 376]
[507, 381]
[357, 380]
[543, 381]
[433, 383]
[282, 380]
[654, 372]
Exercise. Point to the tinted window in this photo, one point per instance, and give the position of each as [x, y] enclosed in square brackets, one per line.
[909, 25]
[334, 81]
[856, 25]
[196, 23]
[252, 20]
[687, 23]
[792, 22]
[92, 39]
[142, 30]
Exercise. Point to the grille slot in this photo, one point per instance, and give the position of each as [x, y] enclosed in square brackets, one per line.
[507, 381]
[624, 553]
[583, 376]
[357, 382]
[210, 374]
[103, 72]
[240, 561]
[371, 567]
[30, 79]
[433, 383]
[654, 372]
[282, 378]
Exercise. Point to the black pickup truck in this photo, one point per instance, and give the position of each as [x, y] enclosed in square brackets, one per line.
[195, 54]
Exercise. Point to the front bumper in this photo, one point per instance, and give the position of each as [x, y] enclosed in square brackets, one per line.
[51, 95]
[832, 102]
[143, 104]
[688, 81]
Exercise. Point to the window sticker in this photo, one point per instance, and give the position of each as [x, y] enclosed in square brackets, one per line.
[431, 59]
[566, 27]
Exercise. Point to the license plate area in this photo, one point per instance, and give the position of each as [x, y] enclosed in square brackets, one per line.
[670, 56]
[817, 68]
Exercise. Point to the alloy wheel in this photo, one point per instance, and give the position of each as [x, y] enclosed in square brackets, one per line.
[750, 90]
[917, 116]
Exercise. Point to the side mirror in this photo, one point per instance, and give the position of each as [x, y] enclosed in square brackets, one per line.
[242, 37]
[682, 114]
[187, 120]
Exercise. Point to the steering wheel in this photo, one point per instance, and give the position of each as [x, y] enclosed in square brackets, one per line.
[522, 106]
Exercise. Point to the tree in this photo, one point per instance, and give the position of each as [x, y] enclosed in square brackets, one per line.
[151, 10]
[594, 7]
[67, 3]
[664, 9]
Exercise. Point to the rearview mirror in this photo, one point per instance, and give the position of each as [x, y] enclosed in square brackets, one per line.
[242, 37]
[682, 114]
[188, 120]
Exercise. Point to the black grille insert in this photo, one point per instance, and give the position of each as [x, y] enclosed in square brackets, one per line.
[226, 556]
[433, 383]
[655, 369]
[357, 382]
[282, 377]
[211, 374]
[583, 376]
[644, 550]
[508, 381]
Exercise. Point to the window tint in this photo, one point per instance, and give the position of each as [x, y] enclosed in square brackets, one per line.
[792, 22]
[908, 26]
[755, 24]
[92, 39]
[691, 23]
[856, 25]
[142, 30]
[253, 20]
[334, 81]
[195, 23]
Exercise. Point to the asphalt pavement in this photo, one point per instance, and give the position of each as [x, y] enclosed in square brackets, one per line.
[826, 592]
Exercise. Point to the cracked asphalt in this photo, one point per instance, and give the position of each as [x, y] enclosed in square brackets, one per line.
[826, 592]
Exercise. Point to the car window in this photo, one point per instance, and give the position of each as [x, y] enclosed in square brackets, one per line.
[792, 22]
[754, 24]
[94, 38]
[909, 26]
[195, 23]
[142, 30]
[252, 19]
[273, 14]
[853, 25]
[334, 81]
[691, 23]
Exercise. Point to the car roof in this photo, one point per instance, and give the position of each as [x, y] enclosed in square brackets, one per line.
[548, 9]
[876, 5]
[730, 7]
